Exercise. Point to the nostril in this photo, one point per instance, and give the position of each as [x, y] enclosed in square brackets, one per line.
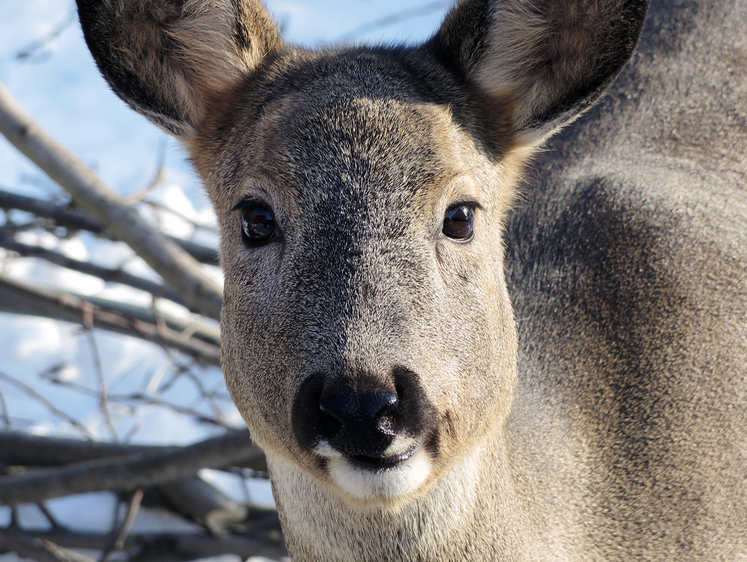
[346, 408]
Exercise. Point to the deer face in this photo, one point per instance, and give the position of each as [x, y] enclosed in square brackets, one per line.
[367, 331]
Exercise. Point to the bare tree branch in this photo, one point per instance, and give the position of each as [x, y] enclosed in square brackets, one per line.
[23, 298]
[18, 448]
[107, 274]
[65, 216]
[128, 473]
[204, 503]
[39, 549]
[192, 545]
[176, 267]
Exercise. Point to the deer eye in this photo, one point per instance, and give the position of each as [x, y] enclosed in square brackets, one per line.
[459, 222]
[257, 223]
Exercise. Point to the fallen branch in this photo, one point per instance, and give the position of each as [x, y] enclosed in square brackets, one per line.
[89, 192]
[18, 297]
[131, 472]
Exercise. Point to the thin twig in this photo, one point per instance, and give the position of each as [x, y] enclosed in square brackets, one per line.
[103, 391]
[23, 298]
[157, 178]
[4, 406]
[39, 549]
[117, 544]
[49, 516]
[187, 545]
[28, 52]
[66, 216]
[51, 407]
[115, 275]
[392, 19]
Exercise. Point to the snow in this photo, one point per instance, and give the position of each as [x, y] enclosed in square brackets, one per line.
[58, 84]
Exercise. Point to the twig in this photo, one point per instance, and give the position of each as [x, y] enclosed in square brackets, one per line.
[176, 267]
[104, 273]
[51, 407]
[128, 473]
[155, 401]
[49, 516]
[23, 298]
[27, 52]
[103, 391]
[18, 448]
[196, 225]
[392, 19]
[124, 529]
[157, 178]
[65, 216]
[188, 545]
[4, 406]
[39, 549]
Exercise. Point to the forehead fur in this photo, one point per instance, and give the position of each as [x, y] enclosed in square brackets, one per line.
[308, 117]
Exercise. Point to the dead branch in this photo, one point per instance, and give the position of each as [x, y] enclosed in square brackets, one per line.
[131, 472]
[37, 548]
[105, 273]
[18, 297]
[66, 216]
[202, 502]
[21, 449]
[176, 267]
[186, 546]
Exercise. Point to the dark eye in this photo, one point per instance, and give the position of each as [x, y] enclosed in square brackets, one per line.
[459, 222]
[257, 223]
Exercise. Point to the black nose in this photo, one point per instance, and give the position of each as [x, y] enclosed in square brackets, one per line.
[359, 415]
[366, 408]
[359, 424]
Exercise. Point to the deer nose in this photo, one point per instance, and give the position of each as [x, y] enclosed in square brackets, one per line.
[359, 409]
[359, 424]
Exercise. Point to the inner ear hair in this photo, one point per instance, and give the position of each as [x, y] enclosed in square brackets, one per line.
[552, 58]
[166, 59]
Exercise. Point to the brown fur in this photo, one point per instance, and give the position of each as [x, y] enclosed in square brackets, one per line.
[569, 382]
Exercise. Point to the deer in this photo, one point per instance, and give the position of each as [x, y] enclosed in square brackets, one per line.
[463, 321]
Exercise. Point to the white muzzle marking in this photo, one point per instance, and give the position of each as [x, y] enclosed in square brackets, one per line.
[389, 482]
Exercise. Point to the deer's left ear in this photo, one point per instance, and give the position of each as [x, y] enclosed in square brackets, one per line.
[548, 60]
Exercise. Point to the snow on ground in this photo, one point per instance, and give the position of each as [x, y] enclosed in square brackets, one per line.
[57, 83]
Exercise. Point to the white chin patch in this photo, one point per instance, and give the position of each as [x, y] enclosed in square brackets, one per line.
[400, 480]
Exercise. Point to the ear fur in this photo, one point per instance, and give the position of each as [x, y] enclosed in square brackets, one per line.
[548, 60]
[165, 58]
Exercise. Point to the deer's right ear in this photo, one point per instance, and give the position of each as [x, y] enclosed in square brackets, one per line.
[542, 61]
[165, 58]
